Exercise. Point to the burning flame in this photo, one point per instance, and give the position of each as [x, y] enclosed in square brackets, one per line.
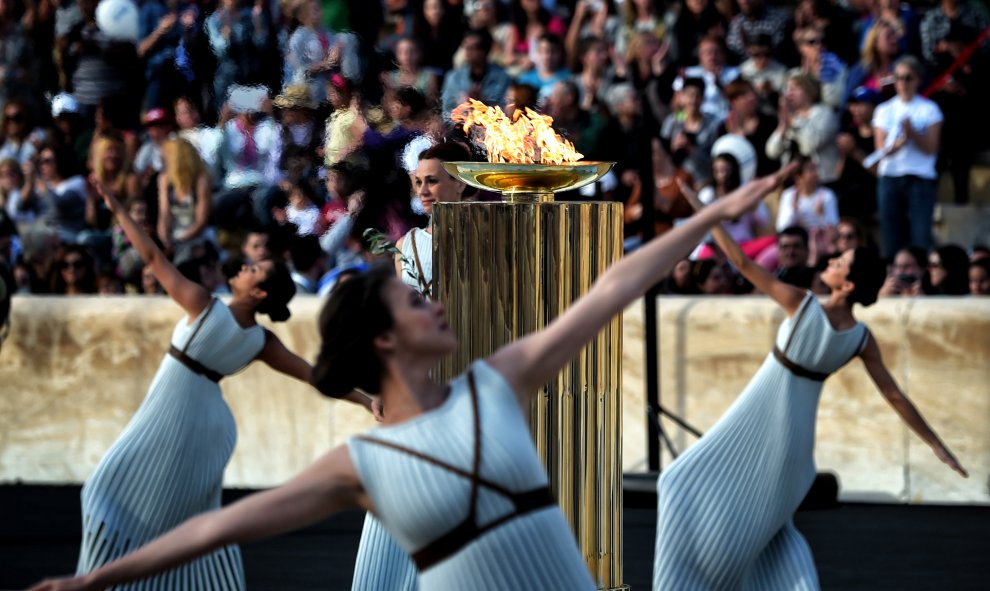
[524, 138]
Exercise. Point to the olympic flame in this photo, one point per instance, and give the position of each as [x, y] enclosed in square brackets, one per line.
[525, 138]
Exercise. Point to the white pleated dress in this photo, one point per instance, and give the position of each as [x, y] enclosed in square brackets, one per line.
[382, 565]
[725, 507]
[478, 518]
[167, 465]
[417, 260]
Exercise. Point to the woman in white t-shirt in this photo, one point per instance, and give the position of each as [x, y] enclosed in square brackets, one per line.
[813, 207]
[907, 130]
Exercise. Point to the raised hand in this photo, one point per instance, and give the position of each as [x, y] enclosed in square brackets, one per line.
[108, 197]
[746, 197]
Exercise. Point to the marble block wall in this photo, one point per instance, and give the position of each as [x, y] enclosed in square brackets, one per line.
[937, 349]
[73, 371]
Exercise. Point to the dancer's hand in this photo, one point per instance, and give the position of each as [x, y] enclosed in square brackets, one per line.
[746, 197]
[113, 204]
[63, 584]
[942, 453]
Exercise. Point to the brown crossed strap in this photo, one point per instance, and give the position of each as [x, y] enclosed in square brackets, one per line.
[468, 530]
[802, 371]
[182, 357]
[427, 285]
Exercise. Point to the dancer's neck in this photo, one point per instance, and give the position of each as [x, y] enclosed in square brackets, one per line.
[409, 391]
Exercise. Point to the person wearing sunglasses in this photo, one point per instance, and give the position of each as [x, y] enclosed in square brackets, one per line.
[15, 133]
[907, 129]
[822, 64]
[73, 272]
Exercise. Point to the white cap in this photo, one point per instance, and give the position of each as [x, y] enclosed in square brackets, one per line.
[64, 103]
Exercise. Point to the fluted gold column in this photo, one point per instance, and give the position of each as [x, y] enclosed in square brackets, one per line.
[505, 269]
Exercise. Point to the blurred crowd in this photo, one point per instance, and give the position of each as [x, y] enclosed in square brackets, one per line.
[239, 130]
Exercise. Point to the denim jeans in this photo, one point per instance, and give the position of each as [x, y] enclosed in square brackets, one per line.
[906, 206]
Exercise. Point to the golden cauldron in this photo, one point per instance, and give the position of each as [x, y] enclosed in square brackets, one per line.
[504, 269]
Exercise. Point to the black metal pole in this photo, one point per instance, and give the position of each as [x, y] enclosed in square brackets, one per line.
[651, 355]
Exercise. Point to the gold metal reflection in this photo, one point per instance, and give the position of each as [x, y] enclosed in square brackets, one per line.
[505, 269]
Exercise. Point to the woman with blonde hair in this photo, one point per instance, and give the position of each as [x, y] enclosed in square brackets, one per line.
[111, 168]
[183, 200]
[875, 70]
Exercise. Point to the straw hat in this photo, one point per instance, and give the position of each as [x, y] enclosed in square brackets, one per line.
[295, 96]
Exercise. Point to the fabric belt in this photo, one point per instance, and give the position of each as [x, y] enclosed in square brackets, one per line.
[796, 369]
[465, 533]
[194, 365]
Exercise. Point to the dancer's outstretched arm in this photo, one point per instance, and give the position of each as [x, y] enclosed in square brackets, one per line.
[787, 296]
[903, 406]
[192, 297]
[530, 362]
[328, 486]
[281, 359]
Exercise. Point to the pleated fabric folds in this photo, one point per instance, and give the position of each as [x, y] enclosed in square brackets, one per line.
[418, 502]
[168, 463]
[725, 507]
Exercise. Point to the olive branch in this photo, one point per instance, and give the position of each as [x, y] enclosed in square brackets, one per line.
[380, 245]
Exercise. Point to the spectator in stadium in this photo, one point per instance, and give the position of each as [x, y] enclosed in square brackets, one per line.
[875, 70]
[906, 273]
[438, 26]
[761, 69]
[748, 120]
[979, 277]
[688, 133]
[73, 272]
[715, 71]
[477, 78]
[410, 70]
[822, 64]
[548, 66]
[806, 127]
[16, 132]
[184, 202]
[530, 21]
[756, 18]
[693, 21]
[856, 186]
[908, 129]
[948, 271]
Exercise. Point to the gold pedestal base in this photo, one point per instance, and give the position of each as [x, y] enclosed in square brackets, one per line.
[503, 270]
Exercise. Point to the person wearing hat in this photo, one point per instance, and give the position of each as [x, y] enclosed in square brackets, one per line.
[148, 161]
[856, 186]
[250, 152]
[69, 128]
[341, 126]
[301, 136]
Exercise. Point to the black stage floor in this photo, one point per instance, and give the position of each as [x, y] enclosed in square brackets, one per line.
[856, 546]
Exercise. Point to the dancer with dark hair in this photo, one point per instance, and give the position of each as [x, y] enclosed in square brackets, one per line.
[381, 564]
[167, 465]
[725, 507]
[453, 474]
